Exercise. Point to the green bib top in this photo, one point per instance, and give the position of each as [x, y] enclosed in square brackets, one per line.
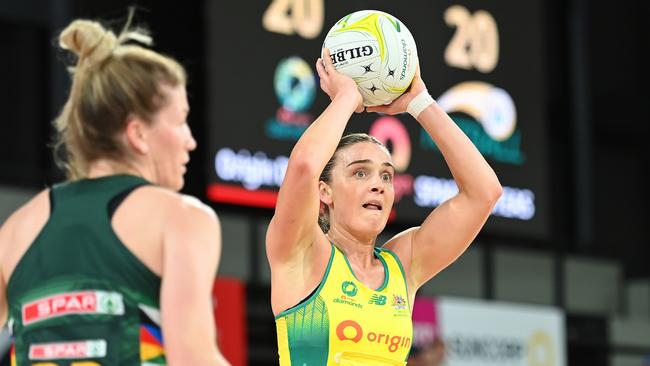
[78, 296]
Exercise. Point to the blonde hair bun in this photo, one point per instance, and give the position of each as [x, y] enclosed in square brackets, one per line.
[88, 40]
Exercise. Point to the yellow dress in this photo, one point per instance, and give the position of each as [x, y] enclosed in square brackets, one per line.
[346, 323]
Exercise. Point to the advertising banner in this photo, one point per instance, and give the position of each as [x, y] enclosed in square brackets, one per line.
[482, 333]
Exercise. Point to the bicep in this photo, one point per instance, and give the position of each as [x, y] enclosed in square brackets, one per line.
[445, 235]
[295, 220]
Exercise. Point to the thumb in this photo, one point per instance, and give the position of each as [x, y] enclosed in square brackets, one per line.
[378, 109]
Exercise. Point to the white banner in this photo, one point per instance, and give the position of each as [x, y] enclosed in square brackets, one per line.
[481, 333]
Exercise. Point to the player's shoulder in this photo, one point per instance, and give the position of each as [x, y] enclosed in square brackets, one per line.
[37, 206]
[176, 204]
[32, 214]
[182, 218]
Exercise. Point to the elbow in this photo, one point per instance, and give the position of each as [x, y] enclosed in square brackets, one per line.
[488, 193]
[302, 166]
[495, 191]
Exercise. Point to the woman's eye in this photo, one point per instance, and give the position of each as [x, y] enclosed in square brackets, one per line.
[387, 177]
[360, 174]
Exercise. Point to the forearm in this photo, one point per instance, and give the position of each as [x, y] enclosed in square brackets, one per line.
[190, 344]
[193, 344]
[319, 141]
[198, 357]
[472, 173]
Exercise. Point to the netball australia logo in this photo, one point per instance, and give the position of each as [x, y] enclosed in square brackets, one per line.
[488, 116]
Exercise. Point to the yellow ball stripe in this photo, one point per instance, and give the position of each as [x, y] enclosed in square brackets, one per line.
[370, 24]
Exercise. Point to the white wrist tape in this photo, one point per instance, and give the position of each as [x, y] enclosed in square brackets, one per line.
[419, 103]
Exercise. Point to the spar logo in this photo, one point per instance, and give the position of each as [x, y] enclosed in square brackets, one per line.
[95, 348]
[83, 302]
[349, 330]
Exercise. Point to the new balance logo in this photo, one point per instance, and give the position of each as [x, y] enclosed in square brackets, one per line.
[377, 300]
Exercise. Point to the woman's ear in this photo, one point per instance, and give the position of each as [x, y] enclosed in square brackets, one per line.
[136, 134]
[324, 193]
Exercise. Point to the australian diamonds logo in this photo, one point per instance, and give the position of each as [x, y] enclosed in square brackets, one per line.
[349, 290]
[399, 303]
